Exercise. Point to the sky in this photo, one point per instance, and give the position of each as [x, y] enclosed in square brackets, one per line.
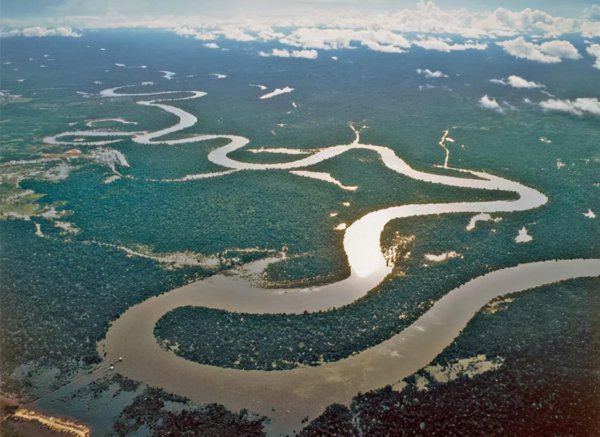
[307, 26]
[30, 9]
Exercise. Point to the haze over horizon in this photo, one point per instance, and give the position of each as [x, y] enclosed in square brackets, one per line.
[41, 12]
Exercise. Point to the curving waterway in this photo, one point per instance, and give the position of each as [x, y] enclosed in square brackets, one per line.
[288, 396]
[307, 391]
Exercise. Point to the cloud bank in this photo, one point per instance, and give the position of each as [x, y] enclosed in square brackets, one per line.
[38, 31]
[444, 46]
[258, 24]
[425, 26]
[284, 53]
[549, 52]
[580, 106]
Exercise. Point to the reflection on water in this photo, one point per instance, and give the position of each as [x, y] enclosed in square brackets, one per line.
[304, 391]
[288, 396]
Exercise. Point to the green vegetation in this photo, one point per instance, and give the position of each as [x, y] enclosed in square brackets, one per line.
[58, 295]
[153, 410]
[336, 420]
[546, 386]
[275, 342]
[54, 320]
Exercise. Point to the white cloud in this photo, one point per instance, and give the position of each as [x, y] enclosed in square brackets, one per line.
[335, 39]
[578, 106]
[519, 48]
[490, 103]
[307, 54]
[284, 53]
[211, 45]
[316, 38]
[431, 74]
[255, 24]
[429, 18]
[258, 22]
[376, 47]
[42, 31]
[594, 50]
[443, 46]
[371, 28]
[235, 33]
[592, 13]
[383, 41]
[210, 32]
[561, 49]
[263, 31]
[517, 82]
[549, 52]
[202, 35]
[535, 22]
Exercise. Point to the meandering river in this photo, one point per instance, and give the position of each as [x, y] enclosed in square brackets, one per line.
[288, 396]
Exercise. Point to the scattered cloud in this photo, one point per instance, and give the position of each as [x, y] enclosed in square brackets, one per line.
[444, 46]
[252, 23]
[560, 49]
[284, 53]
[594, 50]
[431, 74]
[212, 32]
[578, 106]
[383, 48]
[235, 33]
[41, 32]
[592, 13]
[336, 39]
[517, 82]
[316, 38]
[490, 103]
[536, 22]
[202, 35]
[374, 29]
[549, 52]
[383, 41]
